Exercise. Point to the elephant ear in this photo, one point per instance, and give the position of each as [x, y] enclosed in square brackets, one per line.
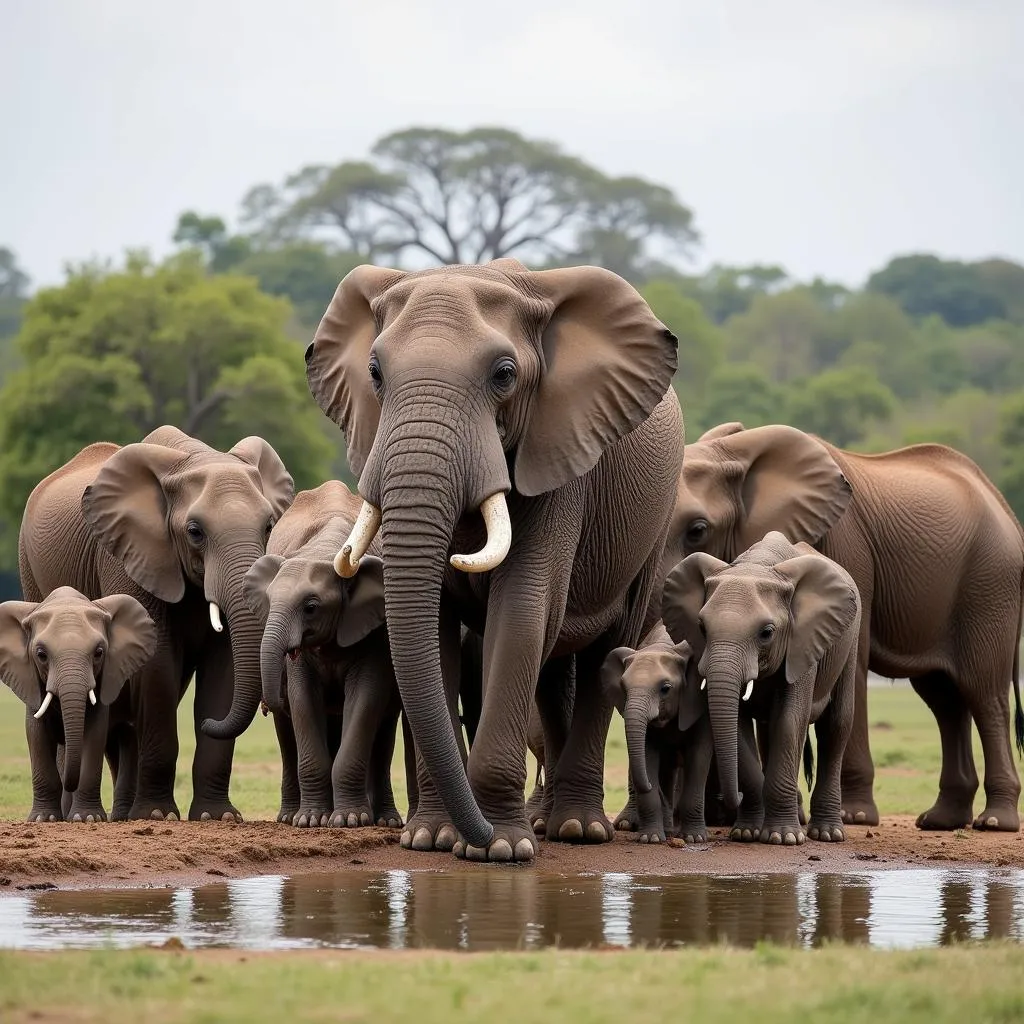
[612, 668]
[684, 596]
[364, 610]
[261, 574]
[825, 604]
[692, 703]
[338, 358]
[791, 483]
[126, 508]
[606, 363]
[16, 667]
[131, 642]
[722, 430]
[276, 482]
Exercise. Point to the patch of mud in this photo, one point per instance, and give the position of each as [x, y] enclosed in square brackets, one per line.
[165, 853]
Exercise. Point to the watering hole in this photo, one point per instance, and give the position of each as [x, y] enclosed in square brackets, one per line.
[516, 910]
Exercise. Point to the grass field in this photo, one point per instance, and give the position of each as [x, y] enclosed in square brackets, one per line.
[904, 741]
[840, 985]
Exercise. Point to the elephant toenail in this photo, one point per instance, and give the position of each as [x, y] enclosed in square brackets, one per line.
[992, 822]
[364, 818]
[478, 853]
[406, 841]
[571, 830]
[156, 815]
[789, 839]
[459, 849]
[172, 816]
[446, 838]
[352, 820]
[205, 816]
[525, 850]
[540, 827]
[501, 850]
[422, 840]
[860, 817]
[596, 832]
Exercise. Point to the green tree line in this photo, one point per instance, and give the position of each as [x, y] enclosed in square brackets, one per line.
[211, 338]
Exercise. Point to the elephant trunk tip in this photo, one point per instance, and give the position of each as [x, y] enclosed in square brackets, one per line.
[732, 800]
[228, 728]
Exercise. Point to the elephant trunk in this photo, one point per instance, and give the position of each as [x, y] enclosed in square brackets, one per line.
[72, 684]
[280, 638]
[246, 634]
[723, 687]
[637, 716]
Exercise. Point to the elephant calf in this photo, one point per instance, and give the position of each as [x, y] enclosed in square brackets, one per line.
[665, 711]
[68, 658]
[779, 626]
[325, 639]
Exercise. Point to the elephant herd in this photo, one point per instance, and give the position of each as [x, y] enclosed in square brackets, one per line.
[528, 541]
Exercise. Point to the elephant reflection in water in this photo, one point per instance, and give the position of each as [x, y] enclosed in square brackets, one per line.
[358, 909]
[79, 912]
[842, 909]
[956, 899]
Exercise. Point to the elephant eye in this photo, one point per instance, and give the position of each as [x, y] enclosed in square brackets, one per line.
[194, 531]
[665, 688]
[703, 629]
[41, 654]
[766, 632]
[503, 377]
[697, 531]
[99, 652]
[270, 527]
[310, 605]
[376, 377]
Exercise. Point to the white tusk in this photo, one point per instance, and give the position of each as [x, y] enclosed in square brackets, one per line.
[44, 705]
[703, 683]
[364, 529]
[215, 617]
[92, 696]
[749, 690]
[499, 537]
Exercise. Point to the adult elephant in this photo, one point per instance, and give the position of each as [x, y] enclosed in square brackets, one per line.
[176, 525]
[530, 415]
[938, 559]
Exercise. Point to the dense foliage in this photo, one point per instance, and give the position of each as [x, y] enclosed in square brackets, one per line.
[211, 340]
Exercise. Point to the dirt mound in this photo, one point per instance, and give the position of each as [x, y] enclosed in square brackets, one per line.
[164, 853]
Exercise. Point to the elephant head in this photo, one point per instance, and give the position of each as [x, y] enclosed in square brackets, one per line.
[176, 512]
[76, 652]
[780, 605]
[305, 604]
[737, 485]
[452, 386]
[651, 686]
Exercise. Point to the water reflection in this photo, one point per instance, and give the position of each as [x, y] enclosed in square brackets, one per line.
[523, 909]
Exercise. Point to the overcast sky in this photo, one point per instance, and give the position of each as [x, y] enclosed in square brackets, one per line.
[826, 135]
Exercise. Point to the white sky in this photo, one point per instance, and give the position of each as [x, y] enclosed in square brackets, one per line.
[823, 135]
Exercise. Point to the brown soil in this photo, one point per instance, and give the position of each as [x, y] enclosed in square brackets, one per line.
[176, 853]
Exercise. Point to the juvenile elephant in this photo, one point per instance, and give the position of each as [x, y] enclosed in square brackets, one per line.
[67, 658]
[665, 710]
[529, 414]
[938, 559]
[779, 626]
[176, 525]
[325, 637]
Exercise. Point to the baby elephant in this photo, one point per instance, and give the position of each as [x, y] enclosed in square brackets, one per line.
[776, 635]
[659, 696]
[67, 658]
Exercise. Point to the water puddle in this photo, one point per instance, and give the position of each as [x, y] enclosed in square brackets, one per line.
[509, 910]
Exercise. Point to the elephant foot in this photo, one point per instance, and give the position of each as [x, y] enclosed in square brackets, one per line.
[745, 833]
[628, 819]
[350, 816]
[777, 833]
[86, 813]
[311, 817]
[801, 814]
[580, 825]
[152, 810]
[998, 818]
[946, 815]
[286, 815]
[512, 842]
[388, 817]
[651, 835]
[120, 812]
[429, 831]
[694, 835]
[827, 832]
[863, 811]
[537, 810]
[219, 810]
[45, 813]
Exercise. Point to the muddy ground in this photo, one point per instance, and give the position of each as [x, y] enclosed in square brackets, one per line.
[177, 853]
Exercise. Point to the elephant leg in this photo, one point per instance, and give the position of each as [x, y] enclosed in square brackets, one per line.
[378, 783]
[471, 683]
[750, 815]
[788, 729]
[761, 747]
[156, 724]
[715, 812]
[958, 780]
[832, 731]
[652, 824]
[858, 774]
[535, 745]
[991, 713]
[290, 795]
[211, 766]
[309, 722]
[365, 708]
[86, 804]
[578, 778]
[697, 750]
[409, 756]
[430, 827]
[126, 751]
[628, 819]
[553, 702]
[47, 788]
[65, 796]
[667, 786]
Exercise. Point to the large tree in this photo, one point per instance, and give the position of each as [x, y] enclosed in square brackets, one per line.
[14, 283]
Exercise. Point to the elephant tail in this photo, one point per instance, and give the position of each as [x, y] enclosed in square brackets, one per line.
[809, 756]
[1018, 714]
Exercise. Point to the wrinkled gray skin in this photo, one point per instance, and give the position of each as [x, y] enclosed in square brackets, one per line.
[176, 525]
[553, 389]
[658, 693]
[327, 672]
[787, 619]
[66, 647]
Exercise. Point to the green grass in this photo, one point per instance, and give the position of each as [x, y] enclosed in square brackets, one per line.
[904, 743]
[839, 985]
